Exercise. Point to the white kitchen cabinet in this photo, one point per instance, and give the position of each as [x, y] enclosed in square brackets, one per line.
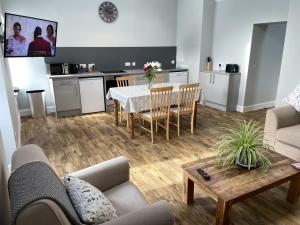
[220, 89]
[92, 95]
[67, 97]
[178, 77]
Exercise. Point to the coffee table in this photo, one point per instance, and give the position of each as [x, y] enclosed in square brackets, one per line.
[229, 185]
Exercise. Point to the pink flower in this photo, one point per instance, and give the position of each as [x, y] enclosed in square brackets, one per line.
[147, 68]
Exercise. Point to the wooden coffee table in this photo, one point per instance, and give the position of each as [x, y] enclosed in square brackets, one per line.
[229, 185]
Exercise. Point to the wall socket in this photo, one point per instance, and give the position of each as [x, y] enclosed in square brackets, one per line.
[223, 66]
[133, 63]
[127, 64]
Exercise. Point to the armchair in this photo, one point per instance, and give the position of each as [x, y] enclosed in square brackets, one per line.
[282, 131]
[112, 178]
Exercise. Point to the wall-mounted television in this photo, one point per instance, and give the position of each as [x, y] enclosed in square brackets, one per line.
[29, 37]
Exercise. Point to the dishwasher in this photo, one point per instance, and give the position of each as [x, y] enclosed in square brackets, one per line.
[92, 94]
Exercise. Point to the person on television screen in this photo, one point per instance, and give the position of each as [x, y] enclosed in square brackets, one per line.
[51, 38]
[16, 43]
[39, 46]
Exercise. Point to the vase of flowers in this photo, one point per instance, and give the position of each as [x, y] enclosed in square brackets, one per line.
[150, 69]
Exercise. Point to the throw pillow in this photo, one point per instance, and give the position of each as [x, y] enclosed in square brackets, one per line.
[89, 202]
[294, 98]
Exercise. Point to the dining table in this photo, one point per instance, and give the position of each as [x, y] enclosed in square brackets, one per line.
[136, 99]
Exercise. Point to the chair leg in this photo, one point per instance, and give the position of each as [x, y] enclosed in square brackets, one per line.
[120, 116]
[167, 128]
[140, 125]
[192, 124]
[152, 138]
[156, 126]
[178, 125]
[127, 120]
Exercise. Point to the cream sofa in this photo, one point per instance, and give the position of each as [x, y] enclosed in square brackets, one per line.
[282, 131]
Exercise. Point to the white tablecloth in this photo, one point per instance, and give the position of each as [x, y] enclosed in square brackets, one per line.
[135, 99]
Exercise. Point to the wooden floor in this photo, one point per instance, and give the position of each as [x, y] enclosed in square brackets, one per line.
[75, 143]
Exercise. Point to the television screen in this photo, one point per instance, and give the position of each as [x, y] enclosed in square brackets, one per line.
[27, 36]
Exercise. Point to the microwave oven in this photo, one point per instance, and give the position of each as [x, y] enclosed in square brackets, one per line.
[59, 69]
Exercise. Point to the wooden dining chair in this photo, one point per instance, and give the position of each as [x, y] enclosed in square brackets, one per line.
[160, 102]
[159, 78]
[124, 82]
[186, 103]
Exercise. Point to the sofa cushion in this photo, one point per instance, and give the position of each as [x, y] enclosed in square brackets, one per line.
[289, 135]
[90, 203]
[126, 198]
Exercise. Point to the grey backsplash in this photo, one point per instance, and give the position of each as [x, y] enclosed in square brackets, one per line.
[114, 58]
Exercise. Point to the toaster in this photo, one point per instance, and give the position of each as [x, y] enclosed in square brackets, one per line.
[232, 68]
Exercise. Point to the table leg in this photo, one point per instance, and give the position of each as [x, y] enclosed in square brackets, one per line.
[188, 190]
[195, 114]
[116, 112]
[222, 217]
[294, 190]
[131, 125]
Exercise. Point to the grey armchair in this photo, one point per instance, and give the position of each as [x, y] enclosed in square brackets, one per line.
[282, 131]
[111, 177]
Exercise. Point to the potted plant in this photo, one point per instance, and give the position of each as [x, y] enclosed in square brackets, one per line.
[243, 146]
[150, 69]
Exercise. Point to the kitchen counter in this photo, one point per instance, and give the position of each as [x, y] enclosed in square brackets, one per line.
[221, 72]
[100, 74]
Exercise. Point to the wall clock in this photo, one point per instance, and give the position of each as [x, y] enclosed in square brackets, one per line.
[108, 12]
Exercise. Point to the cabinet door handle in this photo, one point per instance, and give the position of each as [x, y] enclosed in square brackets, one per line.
[214, 78]
[210, 78]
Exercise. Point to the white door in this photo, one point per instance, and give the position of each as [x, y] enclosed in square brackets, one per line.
[178, 77]
[219, 89]
[92, 95]
[205, 81]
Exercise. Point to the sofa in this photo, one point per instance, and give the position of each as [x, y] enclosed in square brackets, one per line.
[111, 177]
[282, 131]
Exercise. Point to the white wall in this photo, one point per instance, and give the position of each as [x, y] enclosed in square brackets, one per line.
[140, 23]
[290, 75]
[9, 122]
[6, 116]
[30, 74]
[194, 35]
[265, 63]
[207, 32]
[189, 30]
[234, 20]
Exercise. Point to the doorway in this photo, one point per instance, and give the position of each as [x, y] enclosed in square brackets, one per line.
[264, 65]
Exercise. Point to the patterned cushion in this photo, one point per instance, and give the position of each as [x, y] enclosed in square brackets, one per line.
[90, 203]
[294, 98]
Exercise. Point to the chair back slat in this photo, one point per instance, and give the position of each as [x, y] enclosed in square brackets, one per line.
[160, 101]
[159, 78]
[126, 81]
[187, 97]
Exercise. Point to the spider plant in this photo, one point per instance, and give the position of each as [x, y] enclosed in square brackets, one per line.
[243, 145]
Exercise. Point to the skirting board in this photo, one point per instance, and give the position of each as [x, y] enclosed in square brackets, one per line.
[255, 107]
[27, 112]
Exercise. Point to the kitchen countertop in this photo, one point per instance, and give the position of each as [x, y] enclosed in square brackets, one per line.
[100, 74]
[221, 72]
